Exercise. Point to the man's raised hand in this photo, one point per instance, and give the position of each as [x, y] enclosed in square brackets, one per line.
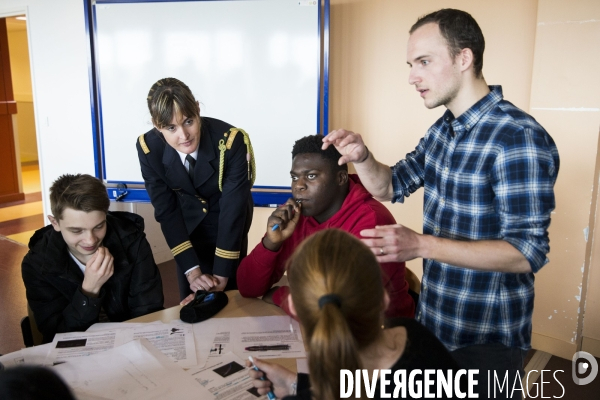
[349, 144]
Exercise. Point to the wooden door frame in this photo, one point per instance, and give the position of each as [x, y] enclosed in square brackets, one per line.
[10, 179]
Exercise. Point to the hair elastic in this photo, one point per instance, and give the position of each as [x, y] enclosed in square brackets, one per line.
[330, 298]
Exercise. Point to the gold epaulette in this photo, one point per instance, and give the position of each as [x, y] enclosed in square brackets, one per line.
[181, 248]
[143, 144]
[230, 136]
[231, 255]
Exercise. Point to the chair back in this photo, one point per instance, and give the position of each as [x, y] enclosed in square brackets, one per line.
[414, 285]
[413, 281]
[31, 334]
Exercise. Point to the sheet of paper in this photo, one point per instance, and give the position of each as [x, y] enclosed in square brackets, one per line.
[12, 359]
[221, 343]
[105, 326]
[226, 378]
[66, 346]
[135, 370]
[204, 335]
[253, 333]
[175, 341]
[37, 355]
[237, 334]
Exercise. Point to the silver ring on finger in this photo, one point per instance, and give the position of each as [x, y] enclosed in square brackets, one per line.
[381, 251]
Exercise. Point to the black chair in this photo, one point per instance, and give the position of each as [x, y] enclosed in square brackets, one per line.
[26, 331]
[31, 335]
[414, 285]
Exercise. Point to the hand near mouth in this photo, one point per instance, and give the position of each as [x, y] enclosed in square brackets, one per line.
[97, 271]
[282, 223]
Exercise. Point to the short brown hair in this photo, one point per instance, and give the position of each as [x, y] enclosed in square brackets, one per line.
[169, 97]
[80, 192]
[333, 262]
[460, 30]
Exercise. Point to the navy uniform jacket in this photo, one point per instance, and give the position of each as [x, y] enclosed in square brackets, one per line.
[221, 218]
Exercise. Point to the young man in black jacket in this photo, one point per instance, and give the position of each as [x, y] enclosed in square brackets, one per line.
[89, 265]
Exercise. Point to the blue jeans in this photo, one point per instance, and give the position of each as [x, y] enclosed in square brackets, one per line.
[496, 359]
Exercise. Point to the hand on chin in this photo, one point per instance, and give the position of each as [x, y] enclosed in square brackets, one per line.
[88, 253]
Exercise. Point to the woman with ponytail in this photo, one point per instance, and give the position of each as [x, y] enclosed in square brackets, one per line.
[337, 295]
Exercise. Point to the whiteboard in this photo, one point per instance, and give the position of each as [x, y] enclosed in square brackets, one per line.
[252, 63]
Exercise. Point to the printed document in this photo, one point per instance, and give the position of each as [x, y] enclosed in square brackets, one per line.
[218, 336]
[174, 340]
[226, 378]
[268, 337]
[135, 370]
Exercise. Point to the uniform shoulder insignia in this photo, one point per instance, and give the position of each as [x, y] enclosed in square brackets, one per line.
[232, 133]
[143, 144]
[230, 136]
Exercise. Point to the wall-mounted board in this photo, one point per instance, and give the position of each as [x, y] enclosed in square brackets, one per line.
[253, 63]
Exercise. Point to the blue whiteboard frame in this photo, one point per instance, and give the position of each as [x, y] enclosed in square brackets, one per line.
[264, 196]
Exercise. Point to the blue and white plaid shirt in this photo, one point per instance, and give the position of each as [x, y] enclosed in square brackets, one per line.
[488, 175]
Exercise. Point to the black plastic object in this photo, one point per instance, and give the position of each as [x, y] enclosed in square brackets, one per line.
[121, 192]
[205, 305]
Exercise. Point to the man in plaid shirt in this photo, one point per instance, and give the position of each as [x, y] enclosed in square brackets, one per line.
[488, 169]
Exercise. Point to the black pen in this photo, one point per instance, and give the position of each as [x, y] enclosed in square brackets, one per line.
[265, 348]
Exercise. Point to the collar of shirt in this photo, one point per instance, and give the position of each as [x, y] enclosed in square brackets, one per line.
[469, 118]
[182, 156]
[79, 264]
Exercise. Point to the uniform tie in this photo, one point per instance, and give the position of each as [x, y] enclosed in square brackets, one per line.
[192, 161]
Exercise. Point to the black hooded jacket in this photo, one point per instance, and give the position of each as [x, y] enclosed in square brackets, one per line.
[53, 279]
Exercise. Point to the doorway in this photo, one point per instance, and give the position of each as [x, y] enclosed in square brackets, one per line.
[19, 219]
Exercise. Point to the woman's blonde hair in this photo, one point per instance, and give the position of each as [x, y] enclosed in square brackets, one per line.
[169, 97]
[335, 283]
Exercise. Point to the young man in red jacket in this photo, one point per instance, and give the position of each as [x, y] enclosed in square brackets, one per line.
[324, 196]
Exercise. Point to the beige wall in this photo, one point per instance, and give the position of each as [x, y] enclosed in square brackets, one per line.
[21, 79]
[590, 318]
[565, 98]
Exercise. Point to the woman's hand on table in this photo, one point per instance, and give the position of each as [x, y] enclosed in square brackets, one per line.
[187, 299]
[200, 281]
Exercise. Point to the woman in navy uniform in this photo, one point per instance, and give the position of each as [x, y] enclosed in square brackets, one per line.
[198, 172]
